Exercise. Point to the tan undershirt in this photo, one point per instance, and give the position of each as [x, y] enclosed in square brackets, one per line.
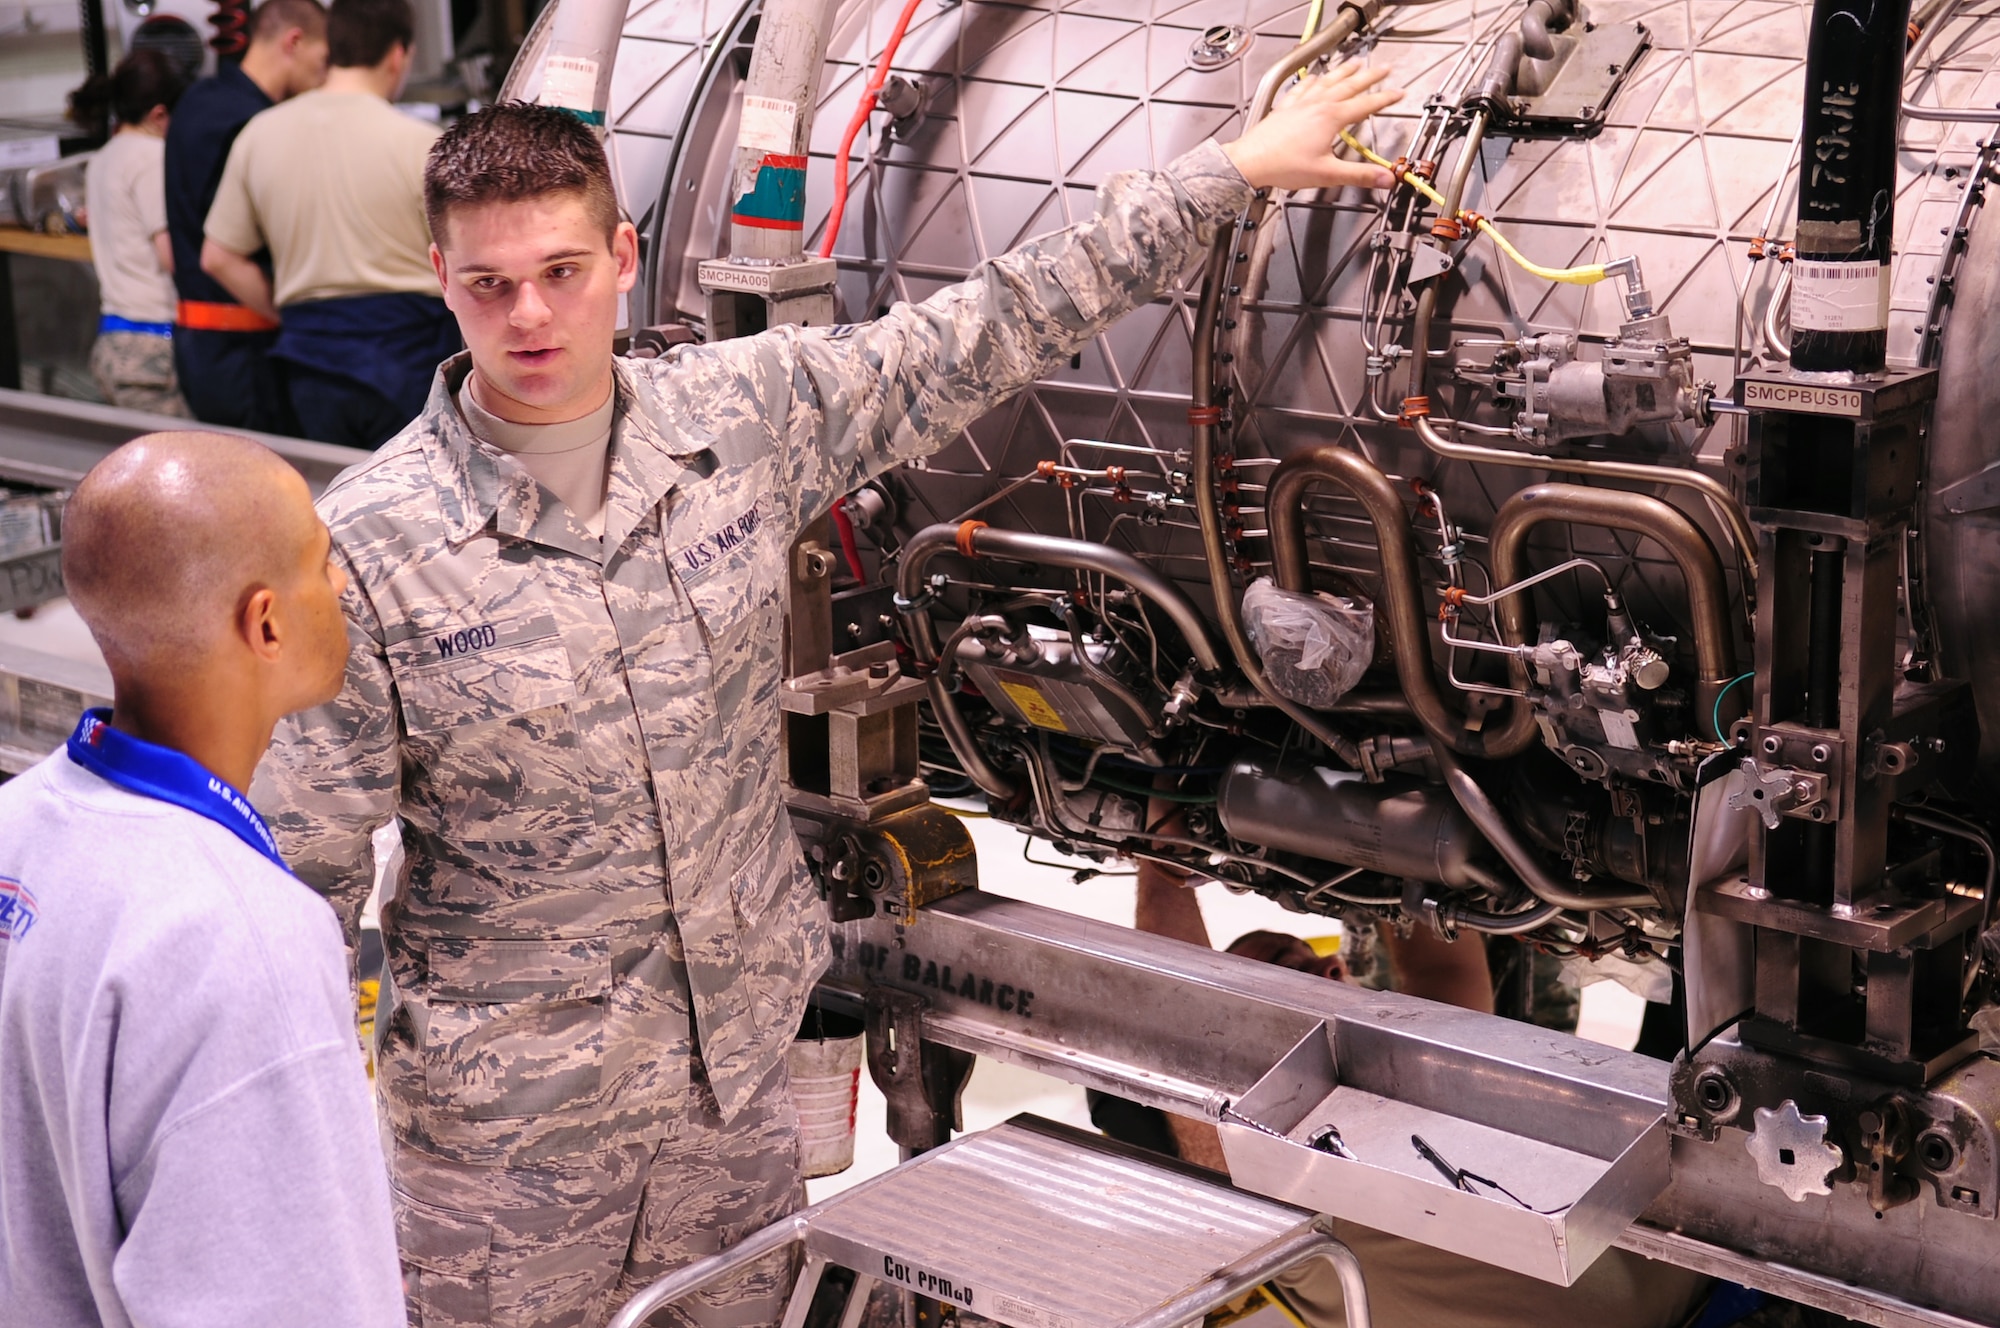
[570, 459]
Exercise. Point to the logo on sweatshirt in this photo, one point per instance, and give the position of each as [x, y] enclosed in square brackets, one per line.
[17, 909]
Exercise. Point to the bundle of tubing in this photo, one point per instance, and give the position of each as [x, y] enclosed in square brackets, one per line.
[1206, 417]
[862, 110]
[1727, 510]
[976, 539]
[1639, 514]
[1400, 608]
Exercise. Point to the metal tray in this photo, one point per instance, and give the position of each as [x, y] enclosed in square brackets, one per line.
[1577, 1189]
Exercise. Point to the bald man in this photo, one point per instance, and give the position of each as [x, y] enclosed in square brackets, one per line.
[185, 1133]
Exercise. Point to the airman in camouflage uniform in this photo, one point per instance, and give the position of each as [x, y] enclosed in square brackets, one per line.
[604, 933]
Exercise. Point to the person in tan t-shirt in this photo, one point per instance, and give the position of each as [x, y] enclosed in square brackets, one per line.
[332, 182]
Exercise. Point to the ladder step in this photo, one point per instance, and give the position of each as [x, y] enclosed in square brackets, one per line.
[1038, 1226]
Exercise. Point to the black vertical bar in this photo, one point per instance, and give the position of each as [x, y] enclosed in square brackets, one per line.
[1847, 187]
[10, 332]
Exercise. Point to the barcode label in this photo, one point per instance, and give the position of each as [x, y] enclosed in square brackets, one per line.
[1840, 297]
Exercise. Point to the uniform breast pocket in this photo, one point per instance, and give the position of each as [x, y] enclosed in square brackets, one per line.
[491, 734]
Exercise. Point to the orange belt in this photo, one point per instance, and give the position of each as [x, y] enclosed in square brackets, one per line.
[213, 316]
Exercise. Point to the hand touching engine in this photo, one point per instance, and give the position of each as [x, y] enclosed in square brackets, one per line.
[1293, 146]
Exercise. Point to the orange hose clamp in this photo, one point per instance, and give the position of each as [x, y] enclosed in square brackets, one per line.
[966, 530]
[1447, 229]
[1454, 595]
[1045, 468]
[1414, 409]
[1199, 416]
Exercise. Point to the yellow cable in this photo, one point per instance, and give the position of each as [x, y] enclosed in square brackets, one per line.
[1312, 25]
[1587, 275]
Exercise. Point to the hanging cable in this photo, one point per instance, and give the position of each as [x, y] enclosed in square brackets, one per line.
[1589, 274]
[862, 110]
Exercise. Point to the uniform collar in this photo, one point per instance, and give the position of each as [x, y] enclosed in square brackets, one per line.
[480, 486]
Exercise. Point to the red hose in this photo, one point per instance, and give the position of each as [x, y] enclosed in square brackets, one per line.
[862, 110]
[852, 551]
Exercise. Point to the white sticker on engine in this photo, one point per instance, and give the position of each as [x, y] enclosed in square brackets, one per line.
[1840, 297]
[768, 124]
[569, 81]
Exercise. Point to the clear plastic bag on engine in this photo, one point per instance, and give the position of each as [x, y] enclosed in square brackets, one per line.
[1314, 647]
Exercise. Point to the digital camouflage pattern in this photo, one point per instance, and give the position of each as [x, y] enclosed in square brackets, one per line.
[135, 370]
[581, 735]
[570, 1241]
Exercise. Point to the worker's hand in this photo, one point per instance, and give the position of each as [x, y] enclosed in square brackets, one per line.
[1294, 146]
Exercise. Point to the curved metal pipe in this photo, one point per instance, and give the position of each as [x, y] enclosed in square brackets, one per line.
[1454, 194]
[1400, 608]
[1492, 823]
[979, 539]
[1720, 500]
[984, 541]
[1206, 416]
[1640, 514]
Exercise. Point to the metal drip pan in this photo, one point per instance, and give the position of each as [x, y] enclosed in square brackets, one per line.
[1573, 1189]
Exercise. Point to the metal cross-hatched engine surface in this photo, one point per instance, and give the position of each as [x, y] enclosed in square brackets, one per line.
[1024, 108]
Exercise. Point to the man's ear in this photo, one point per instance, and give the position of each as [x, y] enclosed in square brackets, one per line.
[437, 265]
[257, 624]
[290, 41]
[625, 249]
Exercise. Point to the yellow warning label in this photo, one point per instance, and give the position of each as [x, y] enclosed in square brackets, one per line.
[1034, 706]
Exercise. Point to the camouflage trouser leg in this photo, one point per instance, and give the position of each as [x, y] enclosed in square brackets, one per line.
[565, 1244]
[136, 371]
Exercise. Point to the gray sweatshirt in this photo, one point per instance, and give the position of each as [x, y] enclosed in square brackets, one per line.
[185, 1131]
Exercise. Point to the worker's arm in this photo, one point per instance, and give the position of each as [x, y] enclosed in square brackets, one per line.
[1450, 972]
[232, 231]
[333, 774]
[240, 276]
[866, 397]
[163, 249]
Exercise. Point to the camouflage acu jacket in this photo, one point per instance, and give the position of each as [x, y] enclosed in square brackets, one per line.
[581, 735]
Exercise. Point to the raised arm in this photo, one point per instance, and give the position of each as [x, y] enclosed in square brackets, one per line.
[867, 397]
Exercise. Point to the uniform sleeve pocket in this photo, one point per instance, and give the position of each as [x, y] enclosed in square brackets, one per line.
[491, 971]
[492, 678]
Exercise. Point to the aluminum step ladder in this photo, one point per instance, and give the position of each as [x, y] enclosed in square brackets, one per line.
[1036, 1225]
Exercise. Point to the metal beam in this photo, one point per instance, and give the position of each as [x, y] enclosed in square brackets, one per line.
[52, 442]
[1185, 1029]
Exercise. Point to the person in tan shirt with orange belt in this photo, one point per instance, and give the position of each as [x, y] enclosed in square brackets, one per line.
[332, 182]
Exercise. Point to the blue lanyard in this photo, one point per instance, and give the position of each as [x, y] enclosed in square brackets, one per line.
[160, 772]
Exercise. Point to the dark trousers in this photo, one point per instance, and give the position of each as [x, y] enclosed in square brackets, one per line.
[229, 380]
[333, 408]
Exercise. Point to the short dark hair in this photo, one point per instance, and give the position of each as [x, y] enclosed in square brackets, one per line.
[513, 151]
[361, 33]
[144, 79]
[273, 17]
